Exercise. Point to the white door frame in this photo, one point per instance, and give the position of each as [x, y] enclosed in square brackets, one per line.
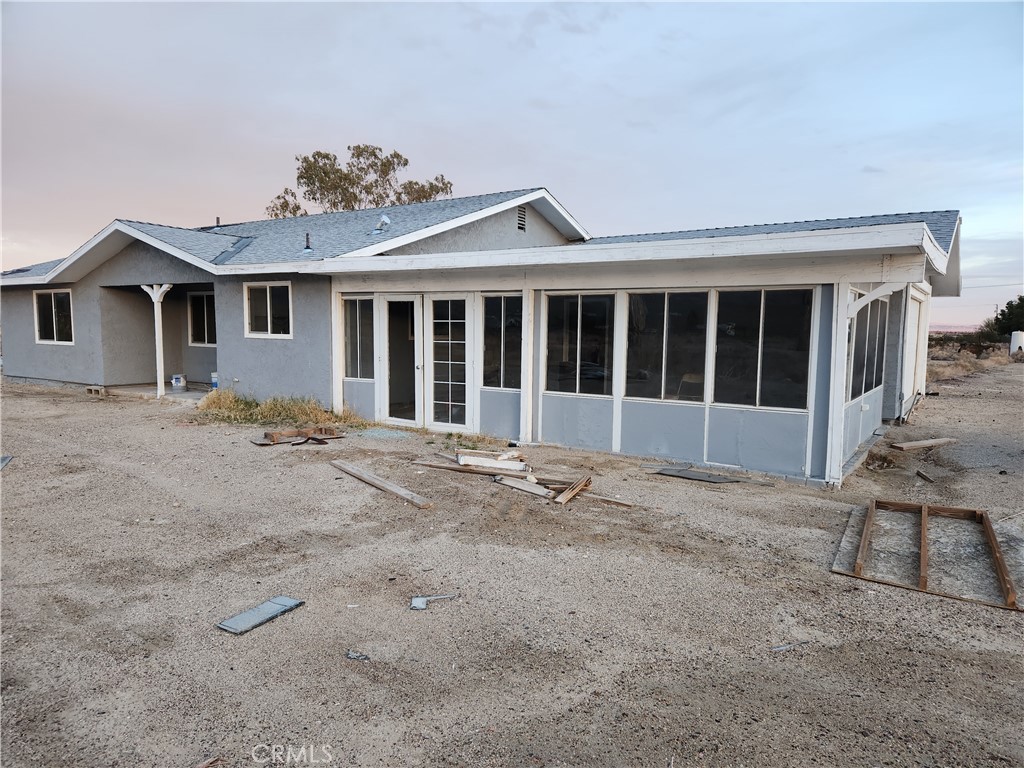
[383, 377]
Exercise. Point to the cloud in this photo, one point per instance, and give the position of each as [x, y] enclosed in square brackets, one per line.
[872, 169]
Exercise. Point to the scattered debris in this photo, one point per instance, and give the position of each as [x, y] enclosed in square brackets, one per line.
[213, 762]
[931, 394]
[356, 656]
[914, 445]
[925, 512]
[580, 485]
[924, 476]
[318, 435]
[96, 391]
[525, 485]
[789, 646]
[686, 472]
[384, 485]
[5, 460]
[420, 602]
[492, 460]
[261, 614]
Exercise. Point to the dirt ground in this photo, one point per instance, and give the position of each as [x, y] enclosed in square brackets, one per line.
[584, 635]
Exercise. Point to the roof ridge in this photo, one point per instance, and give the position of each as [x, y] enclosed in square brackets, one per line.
[364, 210]
[202, 230]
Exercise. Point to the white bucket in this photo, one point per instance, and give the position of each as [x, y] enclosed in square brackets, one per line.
[178, 382]
[214, 380]
[1016, 341]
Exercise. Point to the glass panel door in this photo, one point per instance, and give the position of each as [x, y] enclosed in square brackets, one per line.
[448, 362]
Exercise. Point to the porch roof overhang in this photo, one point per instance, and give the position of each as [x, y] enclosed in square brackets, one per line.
[780, 249]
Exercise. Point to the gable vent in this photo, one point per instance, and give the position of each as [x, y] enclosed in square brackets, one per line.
[521, 218]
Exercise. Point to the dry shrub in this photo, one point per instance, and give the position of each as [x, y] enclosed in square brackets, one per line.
[1017, 357]
[227, 405]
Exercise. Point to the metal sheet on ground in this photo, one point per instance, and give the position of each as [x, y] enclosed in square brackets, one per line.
[4, 461]
[261, 614]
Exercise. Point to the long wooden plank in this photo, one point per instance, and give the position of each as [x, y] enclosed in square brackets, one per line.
[491, 472]
[897, 506]
[525, 485]
[384, 485]
[922, 579]
[606, 499]
[865, 539]
[1005, 582]
[481, 461]
[955, 512]
[914, 445]
[925, 591]
[580, 485]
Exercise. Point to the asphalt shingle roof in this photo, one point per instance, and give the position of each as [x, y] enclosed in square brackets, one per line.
[204, 245]
[941, 223]
[335, 234]
[36, 270]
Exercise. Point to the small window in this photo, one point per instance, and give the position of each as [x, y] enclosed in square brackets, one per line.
[521, 218]
[53, 317]
[202, 320]
[580, 341]
[503, 341]
[359, 338]
[866, 362]
[268, 309]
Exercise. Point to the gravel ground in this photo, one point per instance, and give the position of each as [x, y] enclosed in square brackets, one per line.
[584, 635]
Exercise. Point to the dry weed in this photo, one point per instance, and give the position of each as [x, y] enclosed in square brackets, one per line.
[226, 405]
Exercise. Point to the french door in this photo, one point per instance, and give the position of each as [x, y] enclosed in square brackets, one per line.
[428, 359]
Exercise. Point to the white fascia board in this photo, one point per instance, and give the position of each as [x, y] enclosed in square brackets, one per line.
[541, 199]
[937, 257]
[888, 238]
[276, 268]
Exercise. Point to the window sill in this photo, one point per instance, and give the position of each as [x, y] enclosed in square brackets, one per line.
[759, 408]
[55, 343]
[197, 344]
[585, 395]
[249, 335]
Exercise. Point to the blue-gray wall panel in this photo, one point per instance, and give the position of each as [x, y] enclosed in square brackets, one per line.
[821, 370]
[499, 413]
[581, 422]
[265, 367]
[656, 428]
[770, 441]
[360, 397]
[860, 424]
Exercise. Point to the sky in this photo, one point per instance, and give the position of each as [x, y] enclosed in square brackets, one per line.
[636, 117]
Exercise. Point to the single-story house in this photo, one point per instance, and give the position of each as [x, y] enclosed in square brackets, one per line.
[779, 348]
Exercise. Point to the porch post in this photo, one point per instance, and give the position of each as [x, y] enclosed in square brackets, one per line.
[157, 293]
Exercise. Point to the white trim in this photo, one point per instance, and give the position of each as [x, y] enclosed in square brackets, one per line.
[53, 310]
[812, 375]
[337, 349]
[884, 290]
[710, 349]
[248, 332]
[541, 196]
[156, 293]
[620, 333]
[426, 346]
[188, 303]
[837, 378]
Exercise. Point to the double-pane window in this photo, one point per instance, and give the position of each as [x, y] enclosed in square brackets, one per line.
[269, 309]
[53, 317]
[503, 341]
[202, 320]
[667, 340]
[359, 338]
[580, 341]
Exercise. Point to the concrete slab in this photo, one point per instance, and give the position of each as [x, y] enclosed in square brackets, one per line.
[148, 392]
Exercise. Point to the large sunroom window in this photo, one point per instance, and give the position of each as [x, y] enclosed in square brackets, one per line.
[580, 343]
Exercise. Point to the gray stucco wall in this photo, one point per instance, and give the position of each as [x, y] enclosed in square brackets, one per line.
[770, 441]
[497, 231]
[499, 413]
[264, 367]
[360, 396]
[129, 351]
[580, 422]
[80, 363]
[671, 429]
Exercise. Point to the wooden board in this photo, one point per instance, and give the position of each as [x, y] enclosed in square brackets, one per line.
[914, 445]
[922, 579]
[492, 472]
[384, 485]
[1005, 582]
[525, 485]
[580, 485]
[483, 461]
[865, 539]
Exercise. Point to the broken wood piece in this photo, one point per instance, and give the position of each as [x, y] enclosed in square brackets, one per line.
[1005, 581]
[261, 614]
[606, 499]
[525, 485]
[580, 485]
[914, 445]
[491, 473]
[483, 461]
[498, 455]
[922, 579]
[865, 539]
[693, 474]
[213, 762]
[923, 476]
[384, 485]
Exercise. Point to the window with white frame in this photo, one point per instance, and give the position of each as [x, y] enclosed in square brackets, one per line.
[202, 320]
[503, 341]
[359, 338]
[666, 349]
[268, 309]
[866, 363]
[580, 343]
[53, 317]
[762, 348]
